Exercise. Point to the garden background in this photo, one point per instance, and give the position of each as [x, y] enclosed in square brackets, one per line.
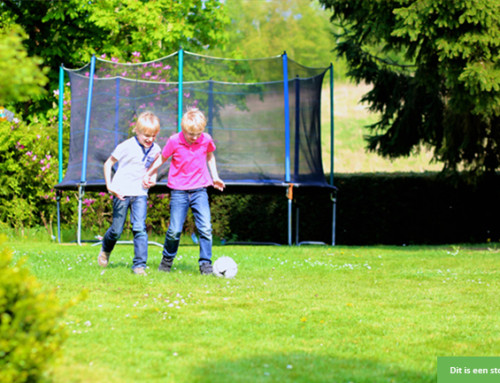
[345, 313]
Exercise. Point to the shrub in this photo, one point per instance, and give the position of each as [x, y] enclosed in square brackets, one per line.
[30, 330]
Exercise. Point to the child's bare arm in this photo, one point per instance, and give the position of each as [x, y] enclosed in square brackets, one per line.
[108, 166]
[212, 166]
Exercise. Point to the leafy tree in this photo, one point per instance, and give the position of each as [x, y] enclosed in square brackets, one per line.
[69, 32]
[443, 92]
[268, 28]
[20, 76]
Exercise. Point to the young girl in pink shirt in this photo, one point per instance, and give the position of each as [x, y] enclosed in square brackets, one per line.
[193, 161]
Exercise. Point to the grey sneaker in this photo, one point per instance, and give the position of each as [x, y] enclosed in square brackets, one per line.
[166, 264]
[140, 271]
[103, 258]
[206, 268]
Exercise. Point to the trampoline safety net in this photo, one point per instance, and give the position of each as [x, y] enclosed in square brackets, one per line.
[263, 114]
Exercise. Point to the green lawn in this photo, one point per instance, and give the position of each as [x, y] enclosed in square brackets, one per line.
[292, 314]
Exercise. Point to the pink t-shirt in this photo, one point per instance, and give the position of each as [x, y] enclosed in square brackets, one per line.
[188, 168]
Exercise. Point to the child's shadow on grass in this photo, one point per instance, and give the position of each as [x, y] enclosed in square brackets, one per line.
[307, 368]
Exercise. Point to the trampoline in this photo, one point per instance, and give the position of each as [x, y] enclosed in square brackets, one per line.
[263, 114]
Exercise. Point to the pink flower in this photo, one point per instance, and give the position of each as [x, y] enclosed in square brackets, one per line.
[136, 54]
[88, 201]
[103, 56]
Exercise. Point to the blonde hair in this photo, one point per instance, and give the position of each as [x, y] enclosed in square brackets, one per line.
[193, 120]
[147, 123]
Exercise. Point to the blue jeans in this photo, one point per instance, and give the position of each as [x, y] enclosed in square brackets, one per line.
[180, 202]
[138, 210]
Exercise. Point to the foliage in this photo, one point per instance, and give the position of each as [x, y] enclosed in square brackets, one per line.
[444, 94]
[30, 330]
[27, 161]
[268, 28]
[70, 32]
[21, 77]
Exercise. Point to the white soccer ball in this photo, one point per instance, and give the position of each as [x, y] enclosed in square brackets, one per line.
[225, 267]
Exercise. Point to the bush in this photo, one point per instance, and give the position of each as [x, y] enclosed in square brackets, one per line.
[30, 330]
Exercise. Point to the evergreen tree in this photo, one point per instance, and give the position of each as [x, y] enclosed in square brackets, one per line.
[435, 70]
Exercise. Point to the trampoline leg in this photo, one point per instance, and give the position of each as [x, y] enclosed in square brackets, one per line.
[289, 195]
[334, 218]
[58, 199]
[289, 222]
[81, 192]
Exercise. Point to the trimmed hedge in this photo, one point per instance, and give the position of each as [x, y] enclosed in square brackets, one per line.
[392, 209]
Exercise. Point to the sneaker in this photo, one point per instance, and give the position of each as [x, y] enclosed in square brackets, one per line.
[139, 271]
[206, 268]
[166, 264]
[103, 258]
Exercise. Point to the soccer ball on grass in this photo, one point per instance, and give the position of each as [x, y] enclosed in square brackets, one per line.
[225, 267]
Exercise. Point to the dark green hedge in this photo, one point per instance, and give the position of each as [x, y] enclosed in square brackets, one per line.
[399, 209]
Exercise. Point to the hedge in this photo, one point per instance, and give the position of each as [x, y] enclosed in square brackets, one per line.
[391, 209]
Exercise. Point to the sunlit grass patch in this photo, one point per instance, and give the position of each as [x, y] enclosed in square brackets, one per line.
[292, 314]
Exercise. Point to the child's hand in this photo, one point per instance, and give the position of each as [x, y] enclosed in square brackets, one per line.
[219, 184]
[117, 195]
[149, 181]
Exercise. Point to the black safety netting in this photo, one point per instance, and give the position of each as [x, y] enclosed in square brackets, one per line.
[262, 137]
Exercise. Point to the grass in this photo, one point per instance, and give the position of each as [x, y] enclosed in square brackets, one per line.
[292, 314]
[350, 119]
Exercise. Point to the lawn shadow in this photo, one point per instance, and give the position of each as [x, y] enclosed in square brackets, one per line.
[306, 368]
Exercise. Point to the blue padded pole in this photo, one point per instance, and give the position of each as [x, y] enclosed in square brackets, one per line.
[117, 111]
[60, 148]
[181, 75]
[287, 141]
[61, 106]
[83, 178]
[287, 117]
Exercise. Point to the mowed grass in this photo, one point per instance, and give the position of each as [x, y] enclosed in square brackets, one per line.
[350, 120]
[292, 314]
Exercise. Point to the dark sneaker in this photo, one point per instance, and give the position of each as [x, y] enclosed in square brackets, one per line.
[166, 264]
[206, 268]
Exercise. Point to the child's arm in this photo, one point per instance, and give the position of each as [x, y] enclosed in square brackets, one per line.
[108, 166]
[212, 166]
[149, 179]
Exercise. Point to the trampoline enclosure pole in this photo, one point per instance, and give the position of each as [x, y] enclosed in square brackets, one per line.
[287, 140]
[60, 148]
[83, 178]
[180, 90]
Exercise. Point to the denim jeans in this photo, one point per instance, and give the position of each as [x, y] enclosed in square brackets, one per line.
[138, 210]
[180, 202]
